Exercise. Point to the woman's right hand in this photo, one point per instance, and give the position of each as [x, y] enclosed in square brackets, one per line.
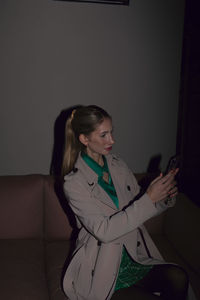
[163, 187]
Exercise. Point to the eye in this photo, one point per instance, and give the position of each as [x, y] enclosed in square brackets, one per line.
[103, 135]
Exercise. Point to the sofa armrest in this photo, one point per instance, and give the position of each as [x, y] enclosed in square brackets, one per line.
[182, 228]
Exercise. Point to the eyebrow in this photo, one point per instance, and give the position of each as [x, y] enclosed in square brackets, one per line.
[106, 131]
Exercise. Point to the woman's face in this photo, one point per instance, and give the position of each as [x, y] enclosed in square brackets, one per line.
[100, 141]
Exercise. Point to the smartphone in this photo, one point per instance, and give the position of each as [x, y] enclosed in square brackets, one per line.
[173, 163]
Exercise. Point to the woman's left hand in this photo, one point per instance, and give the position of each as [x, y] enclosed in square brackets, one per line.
[163, 187]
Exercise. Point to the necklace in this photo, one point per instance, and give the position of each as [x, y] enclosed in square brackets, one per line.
[105, 176]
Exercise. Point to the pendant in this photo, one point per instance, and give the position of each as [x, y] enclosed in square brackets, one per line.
[106, 177]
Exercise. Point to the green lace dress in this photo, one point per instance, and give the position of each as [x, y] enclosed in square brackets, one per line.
[130, 271]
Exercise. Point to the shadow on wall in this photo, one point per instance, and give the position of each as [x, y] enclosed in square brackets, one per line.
[153, 170]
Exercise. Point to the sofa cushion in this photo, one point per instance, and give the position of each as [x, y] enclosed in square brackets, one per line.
[21, 200]
[57, 212]
[155, 224]
[57, 255]
[22, 271]
[182, 229]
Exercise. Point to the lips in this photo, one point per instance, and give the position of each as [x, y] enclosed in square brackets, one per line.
[109, 148]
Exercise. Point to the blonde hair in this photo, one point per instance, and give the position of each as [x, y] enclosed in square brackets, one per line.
[83, 120]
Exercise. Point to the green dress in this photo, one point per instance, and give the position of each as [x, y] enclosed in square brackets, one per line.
[130, 271]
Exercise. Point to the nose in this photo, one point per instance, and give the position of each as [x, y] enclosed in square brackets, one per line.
[112, 139]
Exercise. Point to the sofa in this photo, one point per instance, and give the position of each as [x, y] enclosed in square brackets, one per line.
[37, 234]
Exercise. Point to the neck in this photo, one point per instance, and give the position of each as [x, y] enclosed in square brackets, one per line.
[100, 161]
[96, 157]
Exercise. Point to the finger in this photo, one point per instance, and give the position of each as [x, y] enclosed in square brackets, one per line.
[157, 178]
[173, 191]
[170, 184]
[169, 178]
[173, 195]
[173, 172]
[176, 171]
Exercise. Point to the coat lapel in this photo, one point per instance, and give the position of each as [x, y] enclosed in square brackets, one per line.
[92, 182]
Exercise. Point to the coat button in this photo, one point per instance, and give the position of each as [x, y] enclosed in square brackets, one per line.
[128, 187]
[138, 243]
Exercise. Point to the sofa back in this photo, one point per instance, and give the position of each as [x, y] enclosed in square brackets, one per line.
[30, 209]
[34, 206]
[59, 220]
[21, 207]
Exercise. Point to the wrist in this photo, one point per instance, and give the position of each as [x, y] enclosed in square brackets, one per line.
[150, 196]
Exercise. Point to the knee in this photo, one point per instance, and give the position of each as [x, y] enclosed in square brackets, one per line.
[179, 277]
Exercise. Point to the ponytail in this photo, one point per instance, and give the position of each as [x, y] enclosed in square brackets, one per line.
[72, 147]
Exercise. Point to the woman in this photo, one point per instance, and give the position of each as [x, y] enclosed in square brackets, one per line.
[114, 256]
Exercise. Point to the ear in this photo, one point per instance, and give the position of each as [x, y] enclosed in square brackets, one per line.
[83, 139]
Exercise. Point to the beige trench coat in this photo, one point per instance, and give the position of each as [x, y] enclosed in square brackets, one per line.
[104, 229]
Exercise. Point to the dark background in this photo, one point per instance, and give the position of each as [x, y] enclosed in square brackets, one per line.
[188, 136]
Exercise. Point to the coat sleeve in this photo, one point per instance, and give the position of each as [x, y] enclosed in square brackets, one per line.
[106, 228]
